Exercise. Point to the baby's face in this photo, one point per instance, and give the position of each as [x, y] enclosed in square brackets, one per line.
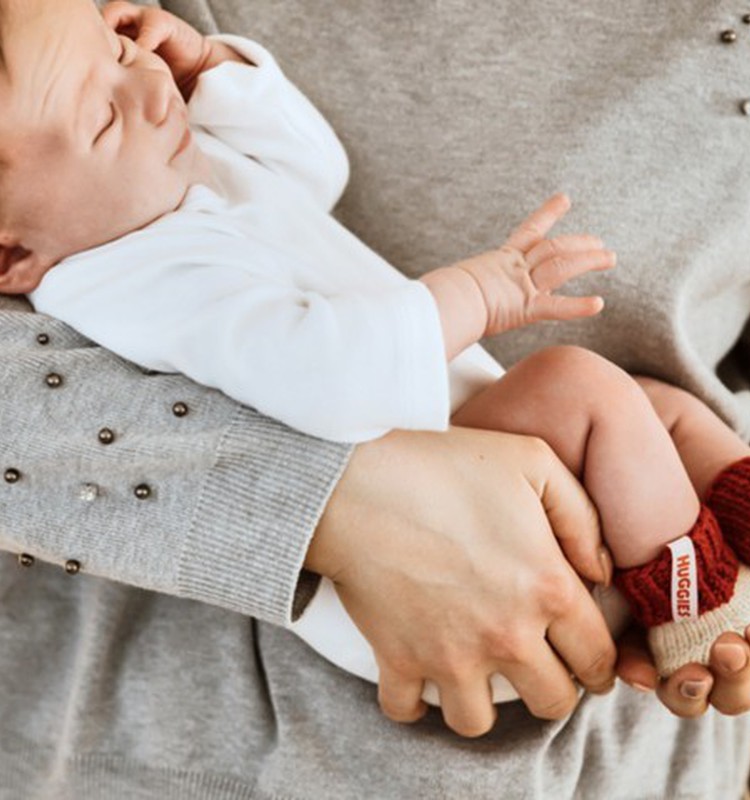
[94, 128]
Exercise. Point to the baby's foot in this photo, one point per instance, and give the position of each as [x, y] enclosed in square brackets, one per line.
[689, 641]
[693, 591]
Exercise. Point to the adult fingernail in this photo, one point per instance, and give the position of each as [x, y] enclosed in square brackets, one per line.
[694, 690]
[604, 688]
[730, 657]
[605, 560]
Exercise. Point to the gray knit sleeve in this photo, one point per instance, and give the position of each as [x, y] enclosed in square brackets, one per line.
[150, 479]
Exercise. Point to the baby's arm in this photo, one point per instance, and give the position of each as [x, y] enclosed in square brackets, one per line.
[512, 286]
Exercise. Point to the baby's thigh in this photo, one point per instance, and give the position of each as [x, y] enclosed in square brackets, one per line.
[557, 394]
[705, 443]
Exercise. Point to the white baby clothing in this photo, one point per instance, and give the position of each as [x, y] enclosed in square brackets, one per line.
[258, 291]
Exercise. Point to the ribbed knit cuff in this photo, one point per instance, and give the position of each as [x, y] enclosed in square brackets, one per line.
[258, 510]
[648, 587]
[729, 499]
[689, 641]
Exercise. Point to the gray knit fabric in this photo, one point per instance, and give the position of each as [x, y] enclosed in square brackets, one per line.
[144, 677]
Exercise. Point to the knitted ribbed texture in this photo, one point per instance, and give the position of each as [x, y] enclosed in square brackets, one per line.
[677, 643]
[729, 499]
[239, 538]
[648, 587]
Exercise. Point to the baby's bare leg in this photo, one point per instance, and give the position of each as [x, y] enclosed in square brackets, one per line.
[602, 426]
[642, 448]
[705, 444]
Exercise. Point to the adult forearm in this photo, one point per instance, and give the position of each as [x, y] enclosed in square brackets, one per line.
[151, 480]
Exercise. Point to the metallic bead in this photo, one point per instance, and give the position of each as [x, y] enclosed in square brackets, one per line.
[53, 380]
[745, 107]
[729, 36]
[142, 491]
[72, 567]
[180, 409]
[746, 19]
[25, 560]
[88, 492]
[12, 475]
[106, 436]
[43, 338]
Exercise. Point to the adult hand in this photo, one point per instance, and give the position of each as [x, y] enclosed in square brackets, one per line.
[688, 692]
[456, 555]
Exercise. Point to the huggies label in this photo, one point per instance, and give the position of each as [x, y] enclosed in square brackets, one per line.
[684, 579]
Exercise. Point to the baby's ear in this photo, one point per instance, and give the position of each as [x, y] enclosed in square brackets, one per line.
[21, 270]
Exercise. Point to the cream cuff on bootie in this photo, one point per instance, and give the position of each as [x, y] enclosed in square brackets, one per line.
[674, 644]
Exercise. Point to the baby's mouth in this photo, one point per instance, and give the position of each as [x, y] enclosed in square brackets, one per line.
[184, 142]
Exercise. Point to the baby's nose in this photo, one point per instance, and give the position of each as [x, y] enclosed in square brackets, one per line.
[155, 97]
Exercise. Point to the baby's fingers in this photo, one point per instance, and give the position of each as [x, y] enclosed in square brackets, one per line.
[562, 246]
[536, 226]
[149, 28]
[554, 272]
[120, 15]
[559, 307]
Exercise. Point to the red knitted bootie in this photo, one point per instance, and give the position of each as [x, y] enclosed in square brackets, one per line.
[729, 499]
[690, 593]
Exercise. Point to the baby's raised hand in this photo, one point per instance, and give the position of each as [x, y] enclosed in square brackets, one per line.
[184, 49]
[517, 281]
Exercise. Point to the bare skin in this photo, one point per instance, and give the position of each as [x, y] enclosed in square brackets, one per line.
[91, 130]
[91, 127]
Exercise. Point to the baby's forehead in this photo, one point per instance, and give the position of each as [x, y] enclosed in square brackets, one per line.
[43, 36]
[49, 61]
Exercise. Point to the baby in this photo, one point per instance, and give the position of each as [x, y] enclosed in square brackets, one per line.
[169, 196]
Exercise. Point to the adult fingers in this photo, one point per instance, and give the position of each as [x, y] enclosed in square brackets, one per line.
[570, 513]
[635, 665]
[577, 629]
[562, 245]
[556, 271]
[400, 698]
[580, 635]
[543, 682]
[685, 692]
[467, 705]
[730, 664]
[535, 227]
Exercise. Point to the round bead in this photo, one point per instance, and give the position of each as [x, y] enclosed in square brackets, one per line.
[72, 567]
[12, 475]
[53, 380]
[25, 560]
[88, 492]
[180, 409]
[746, 19]
[728, 37]
[142, 491]
[106, 436]
[745, 107]
[43, 338]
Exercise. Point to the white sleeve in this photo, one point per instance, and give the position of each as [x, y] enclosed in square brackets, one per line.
[344, 368]
[261, 114]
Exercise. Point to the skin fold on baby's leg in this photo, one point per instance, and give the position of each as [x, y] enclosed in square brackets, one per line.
[647, 453]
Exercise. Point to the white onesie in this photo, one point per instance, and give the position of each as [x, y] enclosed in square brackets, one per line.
[259, 292]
